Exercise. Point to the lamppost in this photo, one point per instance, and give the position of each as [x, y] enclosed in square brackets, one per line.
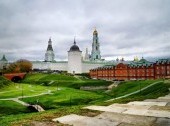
[22, 90]
[140, 87]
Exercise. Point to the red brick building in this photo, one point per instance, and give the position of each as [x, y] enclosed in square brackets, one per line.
[135, 70]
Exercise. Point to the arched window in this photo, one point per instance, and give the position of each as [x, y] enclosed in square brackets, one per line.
[96, 48]
[96, 56]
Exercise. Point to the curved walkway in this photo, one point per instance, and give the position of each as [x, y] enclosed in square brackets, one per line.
[134, 92]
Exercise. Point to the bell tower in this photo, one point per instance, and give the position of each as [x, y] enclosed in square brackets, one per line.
[95, 54]
[49, 55]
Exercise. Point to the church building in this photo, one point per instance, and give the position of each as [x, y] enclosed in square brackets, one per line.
[75, 64]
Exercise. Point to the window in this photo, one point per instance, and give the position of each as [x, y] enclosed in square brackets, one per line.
[96, 56]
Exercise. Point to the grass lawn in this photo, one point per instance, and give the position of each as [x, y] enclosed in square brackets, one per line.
[11, 107]
[129, 87]
[155, 91]
[62, 81]
[65, 97]
[16, 90]
[4, 82]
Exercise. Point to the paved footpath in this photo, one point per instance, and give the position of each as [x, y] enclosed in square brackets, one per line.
[151, 112]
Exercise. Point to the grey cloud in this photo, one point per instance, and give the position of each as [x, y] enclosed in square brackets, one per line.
[125, 28]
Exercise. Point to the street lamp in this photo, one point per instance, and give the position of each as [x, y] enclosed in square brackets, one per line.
[22, 90]
[140, 87]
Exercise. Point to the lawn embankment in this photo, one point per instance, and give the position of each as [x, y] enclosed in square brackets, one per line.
[65, 97]
[4, 82]
[129, 87]
[11, 107]
[155, 91]
[61, 80]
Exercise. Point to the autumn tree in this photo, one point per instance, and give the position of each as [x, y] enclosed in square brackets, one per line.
[21, 65]
[24, 65]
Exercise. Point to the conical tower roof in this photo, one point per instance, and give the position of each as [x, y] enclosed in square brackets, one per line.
[3, 58]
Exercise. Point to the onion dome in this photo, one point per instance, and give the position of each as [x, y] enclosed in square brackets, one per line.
[74, 47]
[143, 60]
[95, 32]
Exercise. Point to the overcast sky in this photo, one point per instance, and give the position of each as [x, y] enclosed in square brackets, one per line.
[126, 28]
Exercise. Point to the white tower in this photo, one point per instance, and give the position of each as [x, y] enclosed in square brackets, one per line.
[49, 55]
[86, 57]
[74, 59]
[95, 54]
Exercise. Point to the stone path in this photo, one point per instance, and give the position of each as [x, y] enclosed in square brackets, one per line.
[151, 112]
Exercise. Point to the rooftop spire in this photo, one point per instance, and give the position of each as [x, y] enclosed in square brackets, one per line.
[74, 40]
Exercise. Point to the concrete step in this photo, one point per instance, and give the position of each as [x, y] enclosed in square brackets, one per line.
[148, 103]
[129, 106]
[165, 97]
[135, 110]
[77, 120]
[127, 119]
[106, 108]
[153, 113]
[157, 100]
[162, 122]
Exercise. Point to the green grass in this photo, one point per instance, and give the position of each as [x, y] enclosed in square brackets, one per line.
[62, 80]
[34, 77]
[4, 82]
[11, 107]
[129, 87]
[16, 90]
[48, 77]
[68, 99]
[155, 91]
[65, 97]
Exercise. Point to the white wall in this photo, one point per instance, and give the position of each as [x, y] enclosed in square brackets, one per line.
[87, 66]
[49, 65]
[74, 62]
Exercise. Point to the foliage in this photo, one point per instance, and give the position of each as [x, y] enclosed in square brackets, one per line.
[21, 65]
[24, 65]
